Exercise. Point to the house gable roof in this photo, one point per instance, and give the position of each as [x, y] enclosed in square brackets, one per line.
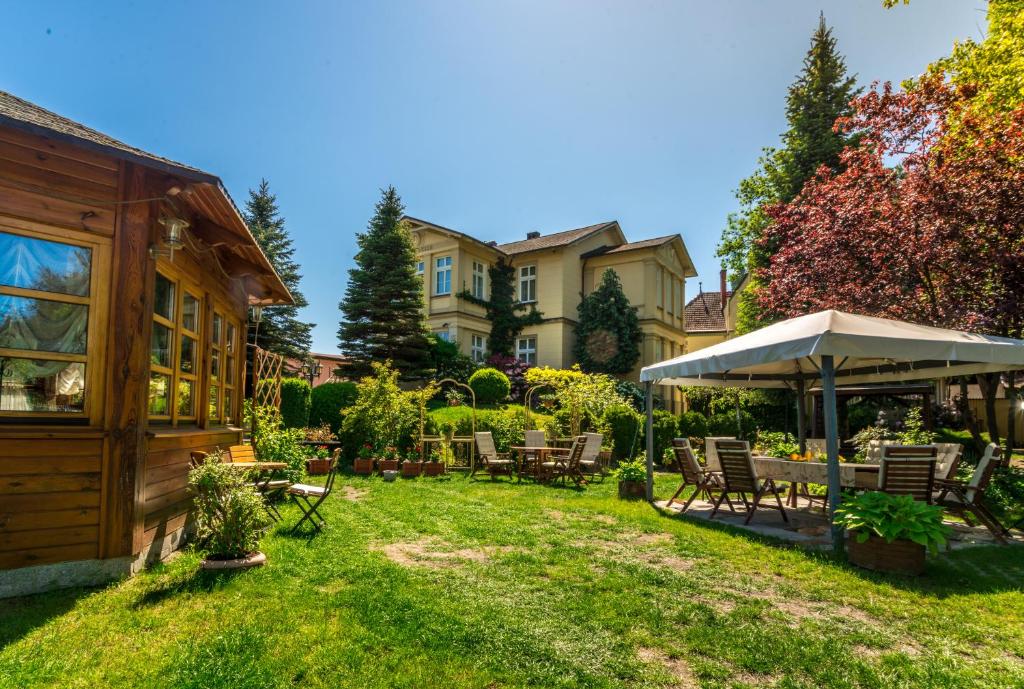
[704, 313]
[556, 239]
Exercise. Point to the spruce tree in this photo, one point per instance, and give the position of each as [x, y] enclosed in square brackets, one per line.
[608, 332]
[820, 95]
[503, 310]
[280, 329]
[382, 312]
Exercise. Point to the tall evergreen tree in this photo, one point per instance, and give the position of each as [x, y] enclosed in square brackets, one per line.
[608, 334]
[820, 95]
[508, 316]
[382, 312]
[280, 330]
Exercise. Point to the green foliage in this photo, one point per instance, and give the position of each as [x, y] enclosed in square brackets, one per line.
[506, 424]
[382, 312]
[862, 439]
[725, 424]
[580, 394]
[693, 424]
[893, 517]
[1005, 494]
[327, 401]
[508, 315]
[630, 392]
[625, 426]
[280, 329]
[608, 330]
[448, 362]
[776, 444]
[666, 427]
[382, 415]
[295, 402]
[275, 443]
[914, 432]
[489, 385]
[635, 470]
[229, 513]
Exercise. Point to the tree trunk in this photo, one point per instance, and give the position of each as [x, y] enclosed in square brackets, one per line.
[970, 422]
[989, 384]
[1011, 415]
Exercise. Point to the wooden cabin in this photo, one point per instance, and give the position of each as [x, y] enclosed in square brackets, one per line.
[122, 346]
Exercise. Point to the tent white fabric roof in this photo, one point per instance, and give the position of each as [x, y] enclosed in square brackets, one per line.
[866, 350]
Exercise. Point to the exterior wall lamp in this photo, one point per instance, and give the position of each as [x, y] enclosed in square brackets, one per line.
[173, 239]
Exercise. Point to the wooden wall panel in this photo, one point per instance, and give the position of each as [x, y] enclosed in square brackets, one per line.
[49, 499]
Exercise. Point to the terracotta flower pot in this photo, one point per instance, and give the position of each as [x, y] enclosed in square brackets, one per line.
[412, 468]
[433, 468]
[316, 466]
[387, 465]
[632, 489]
[362, 465]
[251, 560]
[899, 557]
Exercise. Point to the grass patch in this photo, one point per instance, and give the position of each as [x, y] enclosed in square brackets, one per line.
[458, 583]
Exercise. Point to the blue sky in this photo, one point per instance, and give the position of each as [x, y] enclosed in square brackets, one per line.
[494, 118]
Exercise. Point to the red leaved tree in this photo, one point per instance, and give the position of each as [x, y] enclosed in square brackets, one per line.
[924, 223]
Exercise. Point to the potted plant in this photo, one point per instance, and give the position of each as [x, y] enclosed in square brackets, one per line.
[363, 463]
[436, 465]
[229, 515]
[890, 533]
[632, 478]
[318, 462]
[388, 460]
[412, 465]
[454, 398]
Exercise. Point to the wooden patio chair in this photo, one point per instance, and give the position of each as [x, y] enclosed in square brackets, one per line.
[489, 458]
[693, 475]
[309, 498]
[564, 466]
[242, 454]
[269, 488]
[590, 462]
[908, 470]
[197, 457]
[965, 498]
[740, 477]
[711, 454]
[948, 458]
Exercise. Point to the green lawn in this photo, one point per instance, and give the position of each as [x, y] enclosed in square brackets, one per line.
[452, 583]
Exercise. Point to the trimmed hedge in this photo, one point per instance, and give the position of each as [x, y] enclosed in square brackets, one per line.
[666, 427]
[693, 424]
[724, 424]
[626, 428]
[505, 424]
[295, 404]
[327, 401]
[490, 385]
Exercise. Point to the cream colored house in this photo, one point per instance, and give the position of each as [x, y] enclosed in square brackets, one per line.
[554, 271]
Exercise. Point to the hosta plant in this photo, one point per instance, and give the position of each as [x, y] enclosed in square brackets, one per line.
[893, 517]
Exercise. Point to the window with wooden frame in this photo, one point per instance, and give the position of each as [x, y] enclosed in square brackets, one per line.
[49, 284]
[223, 385]
[175, 360]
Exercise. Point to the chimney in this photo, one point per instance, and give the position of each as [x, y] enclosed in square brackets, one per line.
[533, 235]
[725, 293]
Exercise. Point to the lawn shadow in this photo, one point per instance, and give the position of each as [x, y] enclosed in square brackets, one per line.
[20, 615]
[197, 580]
[975, 570]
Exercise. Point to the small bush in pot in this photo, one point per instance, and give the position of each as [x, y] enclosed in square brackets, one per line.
[229, 514]
[388, 459]
[318, 460]
[363, 463]
[891, 533]
[632, 477]
[411, 464]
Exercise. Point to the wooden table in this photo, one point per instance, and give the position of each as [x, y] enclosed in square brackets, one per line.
[863, 476]
[539, 451]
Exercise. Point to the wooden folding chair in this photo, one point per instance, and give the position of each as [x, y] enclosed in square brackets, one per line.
[309, 498]
[965, 498]
[947, 461]
[565, 466]
[693, 475]
[740, 477]
[908, 470]
[711, 454]
[590, 461]
[489, 458]
[242, 454]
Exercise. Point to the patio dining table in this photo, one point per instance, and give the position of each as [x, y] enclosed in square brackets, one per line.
[539, 452]
[794, 471]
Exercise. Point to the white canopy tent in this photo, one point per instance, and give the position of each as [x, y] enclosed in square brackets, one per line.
[832, 347]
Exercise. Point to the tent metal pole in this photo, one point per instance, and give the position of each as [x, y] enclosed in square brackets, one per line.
[649, 436]
[801, 423]
[828, 395]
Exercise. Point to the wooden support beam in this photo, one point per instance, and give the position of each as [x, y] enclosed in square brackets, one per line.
[215, 235]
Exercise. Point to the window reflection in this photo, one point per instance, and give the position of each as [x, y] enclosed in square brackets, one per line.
[43, 325]
[164, 302]
[43, 265]
[39, 385]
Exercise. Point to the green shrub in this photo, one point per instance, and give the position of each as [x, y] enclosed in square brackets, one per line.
[327, 401]
[724, 424]
[893, 517]
[490, 385]
[624, 425]
[275, 443]
[506, 424]
[666, 427]
[776, 444]
[382, 415]
[635, 470]
[229, 513]
[693, 424]
[295, 396]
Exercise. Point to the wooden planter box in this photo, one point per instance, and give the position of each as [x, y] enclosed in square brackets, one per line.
[410, 469]
[316, 466]
[362, 466]
[387, 465]
[433, 468]
[632, 489]
[877, 554]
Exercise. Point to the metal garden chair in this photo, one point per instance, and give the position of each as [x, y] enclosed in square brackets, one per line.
[309, 498]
